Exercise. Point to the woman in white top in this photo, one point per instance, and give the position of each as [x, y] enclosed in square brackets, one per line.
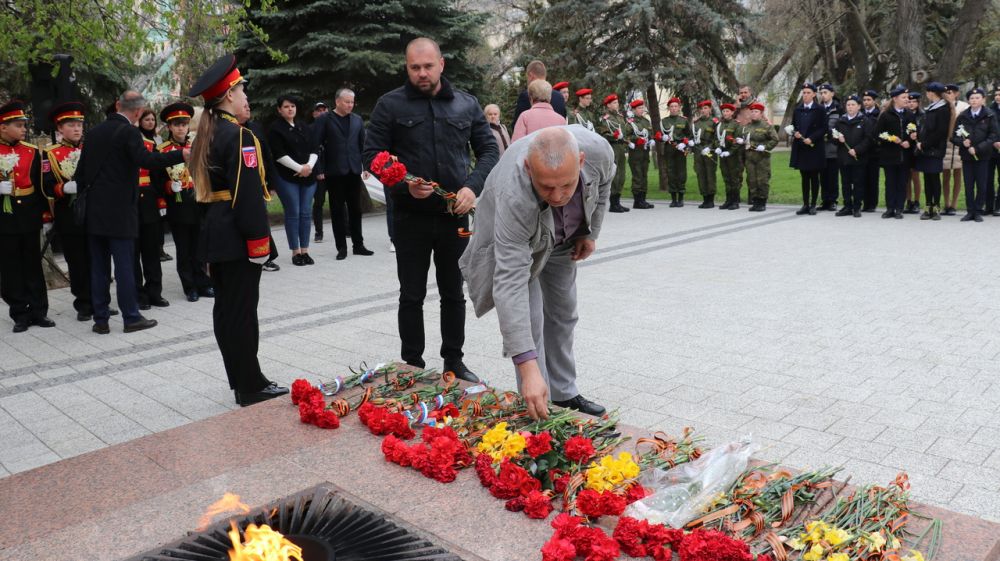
[295, 153]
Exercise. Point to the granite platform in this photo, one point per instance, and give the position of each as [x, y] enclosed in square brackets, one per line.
[117, 502]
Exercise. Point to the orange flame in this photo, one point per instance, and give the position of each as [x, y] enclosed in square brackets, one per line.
[262, 544]
[228, 503]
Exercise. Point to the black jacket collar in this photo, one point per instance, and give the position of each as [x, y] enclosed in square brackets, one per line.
[444, 93]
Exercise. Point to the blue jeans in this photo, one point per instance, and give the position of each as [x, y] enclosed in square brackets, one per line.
[102, 250]
[297, 200]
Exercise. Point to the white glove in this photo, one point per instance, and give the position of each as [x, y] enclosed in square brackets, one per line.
[260, 260]
[46, 228]
[631, 146]
[739, 140]
[706, 151]
[718, 151]
[6, 187]
[760, 148]
[69, 187]
[175, 186]
[725, 154]
[163, 212]
[651, 144]
[681, 146]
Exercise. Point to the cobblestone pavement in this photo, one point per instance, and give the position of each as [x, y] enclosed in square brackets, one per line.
[865, 343]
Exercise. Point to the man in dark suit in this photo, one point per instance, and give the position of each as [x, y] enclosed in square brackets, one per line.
[108, 170]
[535, 71]
[341, 137]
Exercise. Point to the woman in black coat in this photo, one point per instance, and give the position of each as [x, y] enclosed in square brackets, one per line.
[894, 151]
[854, 141]
[294, 154]
[932, 143]
[809, 127]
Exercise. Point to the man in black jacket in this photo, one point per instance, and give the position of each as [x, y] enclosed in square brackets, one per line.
[340, 134]
[108, 169]
[535, 71]
[976, 131]
[429, 126]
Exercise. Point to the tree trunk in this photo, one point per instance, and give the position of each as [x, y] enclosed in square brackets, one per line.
[858, 41]
[910, 47]
[954, 50]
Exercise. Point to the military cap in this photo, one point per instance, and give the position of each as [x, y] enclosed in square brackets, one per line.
[871, 93]
[936, 87]
[610, 98]
[179, 110]
[584, 91]
[69, 111]
[729, 106]
[636, 103]
[898, 91]
[560, 85]
[951, 88]
[13, 110]
[674, 100]
[809, 86]
[979, 91]
[827, 86]
[705, 103]
[217, 80]
[756, 105]
[853, 97]
[914, 95]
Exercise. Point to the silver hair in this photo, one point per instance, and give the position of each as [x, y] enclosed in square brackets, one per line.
[551, 147]
[131, 100]
[540, 91]
[343, 91]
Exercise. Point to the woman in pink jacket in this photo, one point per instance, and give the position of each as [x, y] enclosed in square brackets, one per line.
[541, 114]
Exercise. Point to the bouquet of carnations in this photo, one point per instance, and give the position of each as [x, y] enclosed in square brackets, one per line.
[7, 164]
[390, 171]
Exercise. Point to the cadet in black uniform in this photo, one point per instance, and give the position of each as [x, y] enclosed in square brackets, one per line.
[932, 143]
[894, 152]
[872, 187]
[229, 178]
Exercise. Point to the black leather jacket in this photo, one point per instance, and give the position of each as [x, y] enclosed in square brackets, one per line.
[431, 136]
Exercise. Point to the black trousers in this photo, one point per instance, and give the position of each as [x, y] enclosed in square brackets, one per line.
[810, 187]
[77, 253]
[148, 271]
[22, 282]
[896, 178]
[234, 317]
[345, 191]
[976, 175]
[419, 237]
[319, 199]
[828, 180]
[189, 269]
[102, 251]
[854, 185]
[872, 186]
[932, 188]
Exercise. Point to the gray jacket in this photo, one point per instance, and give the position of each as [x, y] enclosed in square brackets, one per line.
[514, 232]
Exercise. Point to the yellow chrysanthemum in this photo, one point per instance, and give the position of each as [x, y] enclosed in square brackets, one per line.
[796, 544]
[838, 557]
[875, 542]
[495, 436]
[815, 553]
[814, 531]
[513, 445]
[836, 536]
[914, 556]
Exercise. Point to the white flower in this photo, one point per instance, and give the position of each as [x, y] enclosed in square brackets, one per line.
[7, 164]
[69, 165]
[790, 130]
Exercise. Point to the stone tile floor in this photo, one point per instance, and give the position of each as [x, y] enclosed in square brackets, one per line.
[863, 343]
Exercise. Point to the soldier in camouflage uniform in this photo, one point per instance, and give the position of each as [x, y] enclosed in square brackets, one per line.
[584, 113]
[640, 142]
[703, 140]
[760, 139]
[676, 132]
[730, 156]
[612, 127]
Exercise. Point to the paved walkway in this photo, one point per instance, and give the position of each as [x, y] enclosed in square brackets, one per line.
[865, 343]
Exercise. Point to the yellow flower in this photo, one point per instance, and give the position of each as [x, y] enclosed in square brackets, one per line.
[875, 541]
[835, 536]
[514, 445]
[796, 544]
[814, 554]
[914, 556]
[814, 531]
[838, 557]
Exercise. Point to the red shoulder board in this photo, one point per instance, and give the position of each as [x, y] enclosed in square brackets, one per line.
[250, 156]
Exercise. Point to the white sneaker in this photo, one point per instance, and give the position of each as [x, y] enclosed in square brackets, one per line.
[392, 247]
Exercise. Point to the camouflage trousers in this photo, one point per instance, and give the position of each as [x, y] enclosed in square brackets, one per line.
[638, 164]
[758, 165]
[618, 183]
[676, 163]
[732, 174]
[704, 170]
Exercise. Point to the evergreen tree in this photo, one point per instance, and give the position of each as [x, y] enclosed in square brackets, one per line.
[332, 44]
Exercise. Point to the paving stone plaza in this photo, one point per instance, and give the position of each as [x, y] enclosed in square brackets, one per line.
[865, 343]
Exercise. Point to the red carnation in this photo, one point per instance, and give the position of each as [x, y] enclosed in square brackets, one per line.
[685, 141]
[617, 135]
[658, 136]
[729, 138]
[579, 449]
[630, 535]
[605, 549]
[565, 522]
[537, 505]
[300, 388]
[589, 504]
[712, 545]
[640, 142]
[557, 549]
[484, 469]
[634, 493]
[379, 162]
[538, 444]
[327, 419]
[559, 481]
[449, 410]
[612, 504]
[393, 174]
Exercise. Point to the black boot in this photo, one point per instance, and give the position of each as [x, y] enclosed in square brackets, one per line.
[673, 200]
[736, 202]
[709, 202]
[803, 211]
[640, 201]
[757, 205]
[616, 204]
[725, 205]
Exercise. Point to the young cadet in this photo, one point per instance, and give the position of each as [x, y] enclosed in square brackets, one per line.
[853, 138]
[975, 132]
[932, 144]
[612, 127]
[913, 188]
[869, 102]
[183, 211]
[760, 138]
[676, 131]
[808, 132]
[727, 131]
[639, 144]
[703, 138]
[229, 179]
[894, 151]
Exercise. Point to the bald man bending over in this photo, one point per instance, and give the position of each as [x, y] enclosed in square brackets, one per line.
[540, 213]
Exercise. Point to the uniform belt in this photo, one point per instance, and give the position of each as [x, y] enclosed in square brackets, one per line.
[219, 196]
[23, 192]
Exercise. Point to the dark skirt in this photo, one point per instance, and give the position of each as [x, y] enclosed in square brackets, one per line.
[924, 164]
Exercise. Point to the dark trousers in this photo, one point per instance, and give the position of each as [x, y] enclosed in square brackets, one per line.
[388, 213]
[22, 282]
[854, 185]
[122, 250]
[932, 189]
[234, 317]
[871, 183]
[828, 180]
[189, 269]
[810, 187]
[77, 254]
[319, 199]
[976, 175]
[896, 178]
[420, 236]
[148, 271]
[345, 191]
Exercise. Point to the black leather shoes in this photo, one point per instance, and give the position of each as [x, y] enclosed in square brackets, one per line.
[160, 302]
[83, 316]
[462, 372]
[207, 292]
[192, 296]
[43, 322]
[583, 405]
[306, 259]
[144, 306]
[21, 326]
[270, 392]
[113, 312]
[139, 325]
[101, 329]
[297, 260]
[341, 254]
[362, 250]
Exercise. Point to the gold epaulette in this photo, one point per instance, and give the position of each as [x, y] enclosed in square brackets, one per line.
[164, 145]
[29, 145]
